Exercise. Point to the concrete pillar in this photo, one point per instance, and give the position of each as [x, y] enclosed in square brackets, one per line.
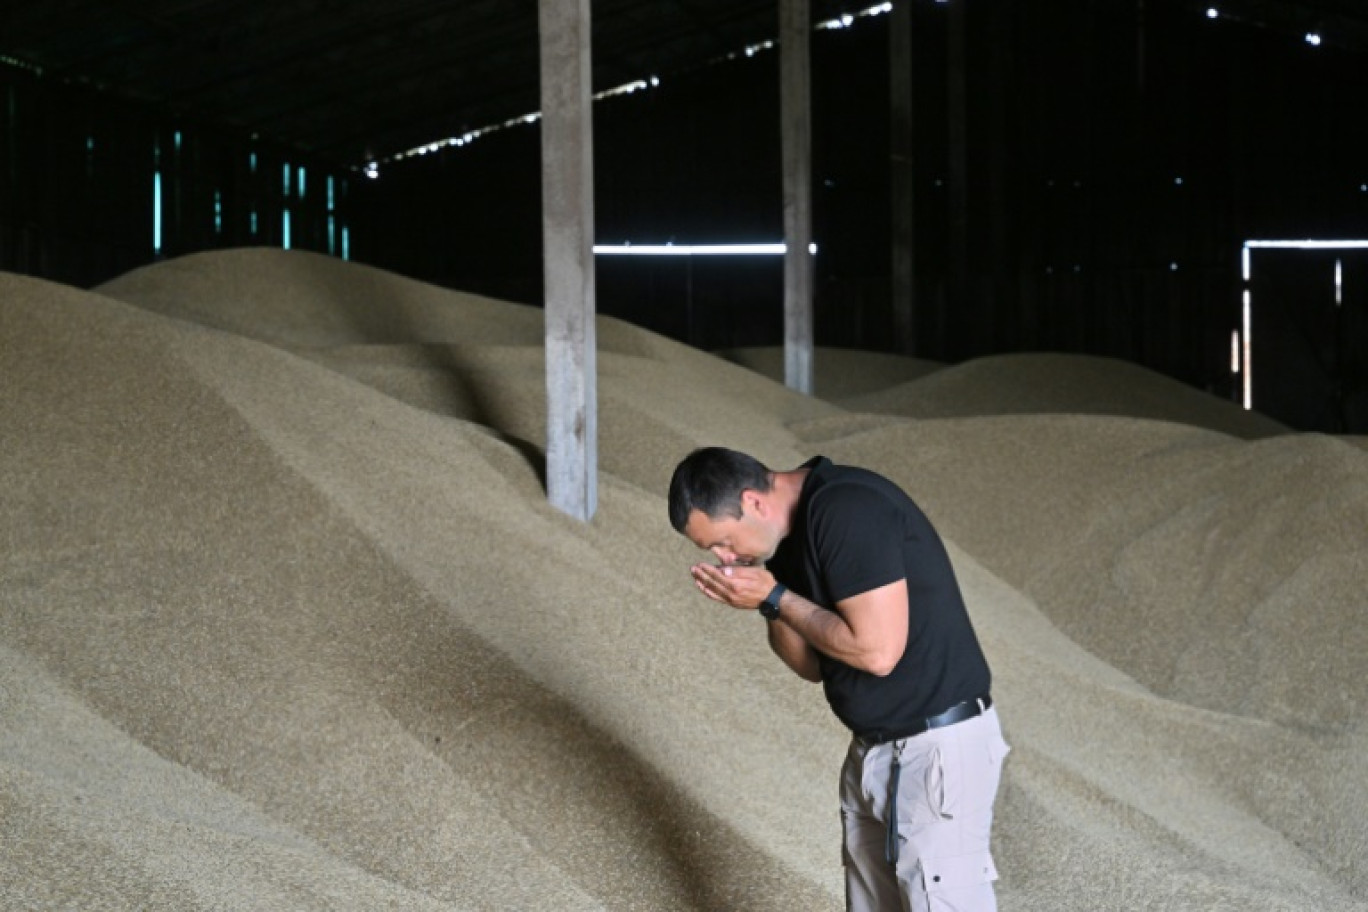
[903, 174]
[568, 257]
[795, 118]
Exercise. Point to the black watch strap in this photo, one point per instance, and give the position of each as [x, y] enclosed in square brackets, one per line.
[769, 608]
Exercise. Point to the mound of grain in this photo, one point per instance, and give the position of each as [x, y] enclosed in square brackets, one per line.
[838, 373]
[286, 623]
[1046, 383]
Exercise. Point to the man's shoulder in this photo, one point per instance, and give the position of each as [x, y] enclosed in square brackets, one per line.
[831, 478]
[855, 493]
[860, 495]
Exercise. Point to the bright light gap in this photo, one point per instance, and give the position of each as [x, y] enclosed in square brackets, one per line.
[1307, 245]
[21, 64]
[1248, 367]
[156, 212]
[694, 249]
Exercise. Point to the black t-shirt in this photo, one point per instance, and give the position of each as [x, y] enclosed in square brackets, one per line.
[852, 531]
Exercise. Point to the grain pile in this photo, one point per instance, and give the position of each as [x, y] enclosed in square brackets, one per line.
[286, 623]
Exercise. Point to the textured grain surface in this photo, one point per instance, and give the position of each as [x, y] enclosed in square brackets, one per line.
[286, 623]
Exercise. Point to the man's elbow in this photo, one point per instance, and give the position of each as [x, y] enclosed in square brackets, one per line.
[881, 663]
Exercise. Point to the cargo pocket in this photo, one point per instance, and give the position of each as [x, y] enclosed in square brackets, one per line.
[940, 795]
[964, 882]
[966, 777]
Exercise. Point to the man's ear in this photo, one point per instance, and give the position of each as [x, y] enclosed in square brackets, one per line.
[755, 501]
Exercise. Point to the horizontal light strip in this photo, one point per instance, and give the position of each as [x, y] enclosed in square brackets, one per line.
[846, 20]
[21, 64]
[694, 249]
[1309, 245]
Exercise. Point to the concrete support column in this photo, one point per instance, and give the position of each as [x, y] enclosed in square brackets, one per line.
[795, 119]
[903, 174]
[568, 257]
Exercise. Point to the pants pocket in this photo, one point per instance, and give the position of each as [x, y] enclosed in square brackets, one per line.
[964, 776]
[960, 884]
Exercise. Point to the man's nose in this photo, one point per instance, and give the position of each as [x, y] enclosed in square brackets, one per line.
[724, 555]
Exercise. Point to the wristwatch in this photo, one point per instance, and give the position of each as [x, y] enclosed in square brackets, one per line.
[769, 608]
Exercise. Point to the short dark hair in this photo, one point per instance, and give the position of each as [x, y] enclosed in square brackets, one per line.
[710, 480]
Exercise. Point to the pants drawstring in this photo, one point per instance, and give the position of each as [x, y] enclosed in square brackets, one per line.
[894, 771]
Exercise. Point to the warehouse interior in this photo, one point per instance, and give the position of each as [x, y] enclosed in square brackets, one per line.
[294, 615]
[1089, 178]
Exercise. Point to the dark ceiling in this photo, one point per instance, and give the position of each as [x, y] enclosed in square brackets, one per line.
[351, 81]
[354, 81]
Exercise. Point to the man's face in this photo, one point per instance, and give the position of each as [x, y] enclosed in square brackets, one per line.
[747, 540]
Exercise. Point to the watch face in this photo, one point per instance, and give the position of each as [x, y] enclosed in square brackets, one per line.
[770, 606]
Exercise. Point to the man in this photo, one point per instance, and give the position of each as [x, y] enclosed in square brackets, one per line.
[859, 594]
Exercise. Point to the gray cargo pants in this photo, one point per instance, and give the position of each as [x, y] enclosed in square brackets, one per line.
[947, 782]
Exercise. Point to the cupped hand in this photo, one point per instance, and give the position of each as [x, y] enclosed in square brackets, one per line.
[734, 585]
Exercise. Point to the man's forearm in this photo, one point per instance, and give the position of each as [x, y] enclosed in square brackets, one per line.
[792, 649]
[875, 646]
[804, 631]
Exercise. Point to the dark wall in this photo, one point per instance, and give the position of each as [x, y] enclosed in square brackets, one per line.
[470, 221]
[83, 175]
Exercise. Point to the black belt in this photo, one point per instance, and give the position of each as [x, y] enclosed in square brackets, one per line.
[957, 713]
